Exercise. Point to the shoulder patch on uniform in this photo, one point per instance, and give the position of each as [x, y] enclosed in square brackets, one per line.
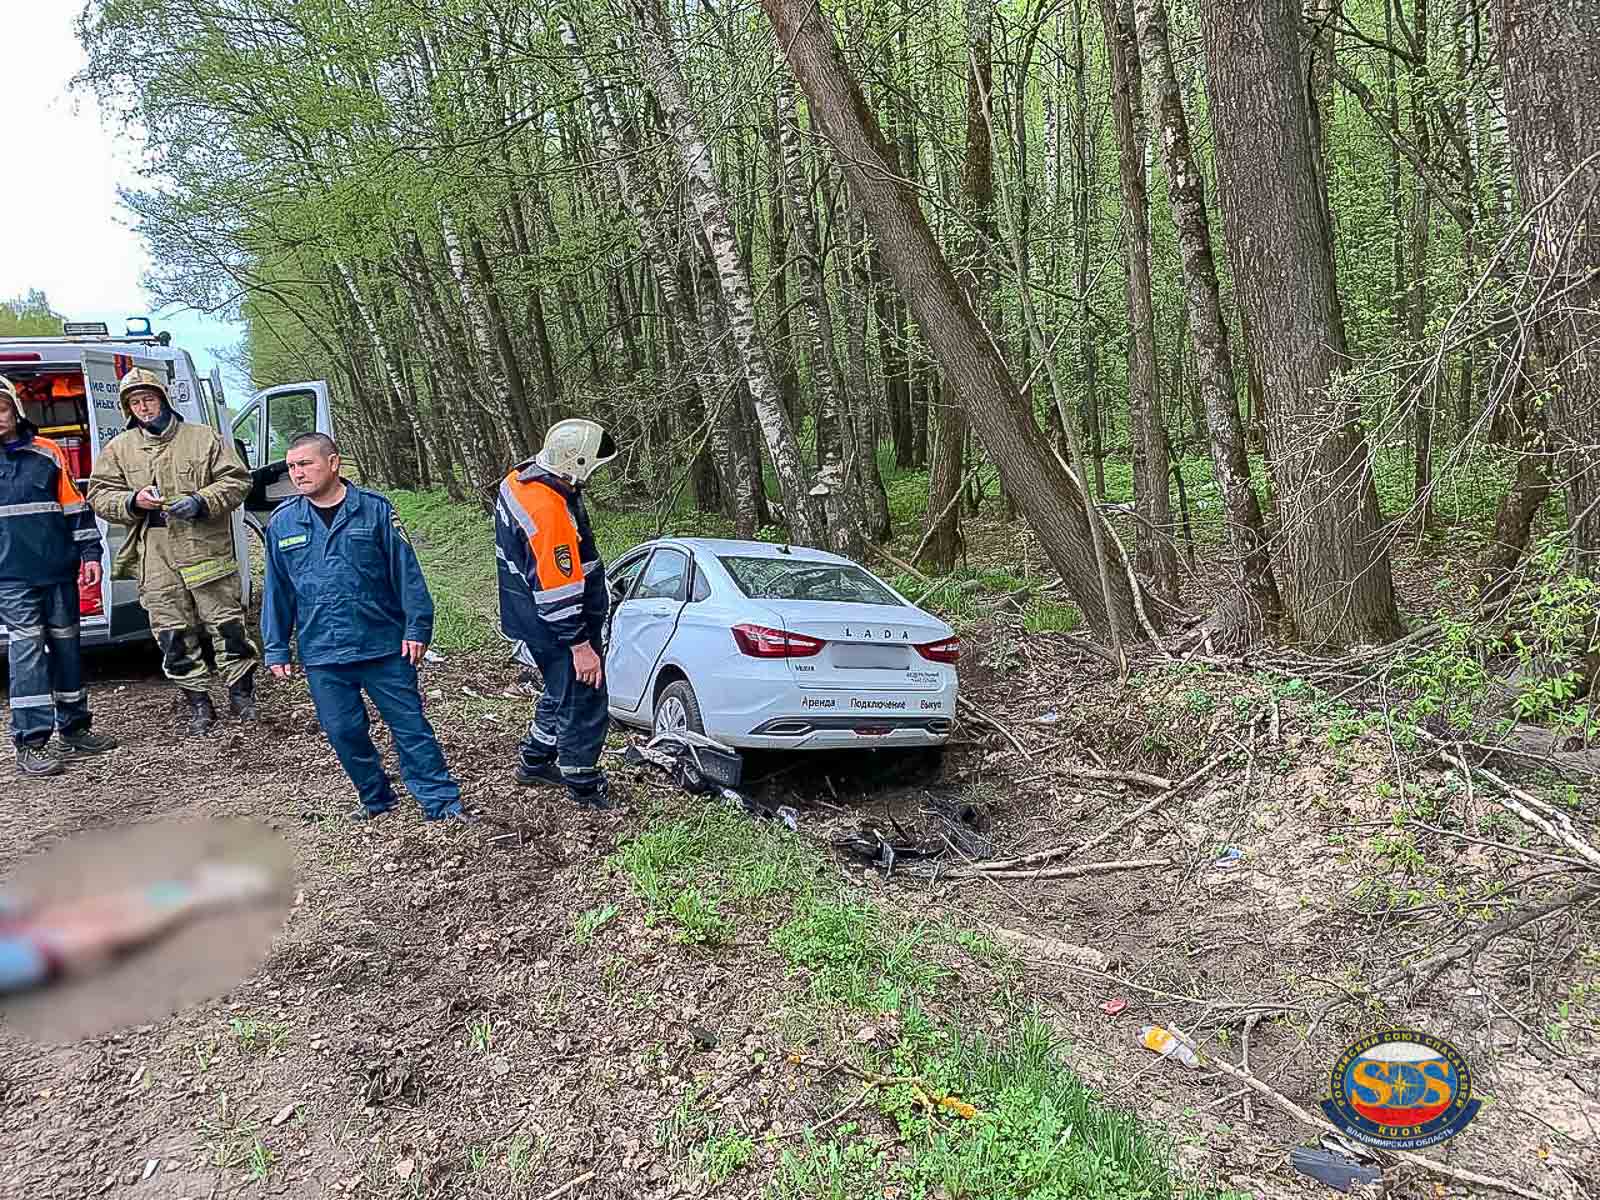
[298, 539]
[399, 527]
[564, 559]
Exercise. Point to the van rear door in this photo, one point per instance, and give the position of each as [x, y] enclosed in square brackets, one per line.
[102, 371]
[263, 429]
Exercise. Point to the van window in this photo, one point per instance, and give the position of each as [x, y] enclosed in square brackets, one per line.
[289, 415]
[246, 431]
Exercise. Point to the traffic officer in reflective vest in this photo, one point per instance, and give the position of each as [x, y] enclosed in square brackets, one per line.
[48, 543]
[343, 579]
[176, 484]
[553, 605]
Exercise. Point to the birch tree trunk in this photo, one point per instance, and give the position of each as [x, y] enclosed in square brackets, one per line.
[666, 82]
[1046, 493]
[1230, 464]
[842, 503]
[716, 389]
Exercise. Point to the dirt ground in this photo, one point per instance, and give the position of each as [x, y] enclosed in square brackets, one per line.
[349, 1056]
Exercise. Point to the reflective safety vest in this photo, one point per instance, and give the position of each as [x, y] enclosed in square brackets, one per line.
[46, 528]
[552, 582]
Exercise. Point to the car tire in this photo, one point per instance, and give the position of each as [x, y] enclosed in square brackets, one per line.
[680, 708]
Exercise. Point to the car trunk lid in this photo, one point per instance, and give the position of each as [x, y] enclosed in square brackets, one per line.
[867, 646]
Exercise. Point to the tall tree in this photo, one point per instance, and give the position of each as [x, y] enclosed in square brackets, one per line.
[806, 525]
[1230, 464]
[1333, 566]
[1157, 552]
[1550, 63]
[1055, 508]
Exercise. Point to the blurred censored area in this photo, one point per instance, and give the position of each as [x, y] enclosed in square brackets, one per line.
[142, 920]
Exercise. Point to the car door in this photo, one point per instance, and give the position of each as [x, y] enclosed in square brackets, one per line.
[643, 625]
[263, 429]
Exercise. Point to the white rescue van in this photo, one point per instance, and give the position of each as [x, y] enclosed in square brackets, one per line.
[69, 385]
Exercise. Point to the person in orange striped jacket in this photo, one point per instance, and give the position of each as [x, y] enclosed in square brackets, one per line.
[49, 542]
[553, 604]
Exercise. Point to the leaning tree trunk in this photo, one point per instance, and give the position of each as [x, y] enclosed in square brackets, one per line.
[665, 77]
[1334, 566]
[1047, 495]
[1247, 536]
[1550, 62]
[1157, 553]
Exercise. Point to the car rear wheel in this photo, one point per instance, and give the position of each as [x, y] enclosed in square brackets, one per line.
[678, 709]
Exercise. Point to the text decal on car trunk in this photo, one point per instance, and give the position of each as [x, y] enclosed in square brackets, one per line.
[866, 634]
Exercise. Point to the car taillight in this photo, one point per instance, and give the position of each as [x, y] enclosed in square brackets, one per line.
[760, 642]
[947, 651]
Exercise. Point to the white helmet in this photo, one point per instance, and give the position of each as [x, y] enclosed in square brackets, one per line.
[8, 391]
[575, 449]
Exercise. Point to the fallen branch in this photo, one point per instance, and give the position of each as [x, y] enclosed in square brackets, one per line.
[1003, 864]
[1554, 824]
[1098, 868]
[1510, 923]
[1143, 780]
[963, 702]
[1283, 1102]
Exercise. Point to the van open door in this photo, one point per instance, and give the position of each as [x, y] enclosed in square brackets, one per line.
[102, 371]
[263, 429]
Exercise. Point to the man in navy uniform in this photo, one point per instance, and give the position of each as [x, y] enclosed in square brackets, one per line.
[553, 605]
[48, 544]
[343, 578]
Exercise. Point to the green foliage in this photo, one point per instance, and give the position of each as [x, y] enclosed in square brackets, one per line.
[1542, 649]
[29, 316]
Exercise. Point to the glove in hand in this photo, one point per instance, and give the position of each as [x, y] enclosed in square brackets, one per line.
[189, 508]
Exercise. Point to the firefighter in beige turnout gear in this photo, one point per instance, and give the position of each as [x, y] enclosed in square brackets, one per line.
[175, 484]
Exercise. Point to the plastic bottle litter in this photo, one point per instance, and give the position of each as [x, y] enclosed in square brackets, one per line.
[1153, 1037]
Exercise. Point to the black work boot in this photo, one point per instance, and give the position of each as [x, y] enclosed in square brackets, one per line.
[596, 795]
[543, 773]
[36, 762]
[242, 697]
[202, 716]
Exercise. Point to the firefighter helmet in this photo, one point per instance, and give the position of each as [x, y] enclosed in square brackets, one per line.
[575, 449]
[8, 391]
[140, 377]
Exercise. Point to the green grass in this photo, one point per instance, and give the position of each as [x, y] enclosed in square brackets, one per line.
[1036, 1129]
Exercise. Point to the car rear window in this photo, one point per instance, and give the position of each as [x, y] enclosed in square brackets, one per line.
[806, 579]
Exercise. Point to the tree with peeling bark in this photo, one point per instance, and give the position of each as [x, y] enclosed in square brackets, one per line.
[1046, 493]
[801, 511]
[1333, 564]
[715, 390]
[1208, 333]
[842, 502]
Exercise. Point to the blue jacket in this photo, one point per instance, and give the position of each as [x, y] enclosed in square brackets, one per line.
[348, 593]
[552, 582]
[46, 529]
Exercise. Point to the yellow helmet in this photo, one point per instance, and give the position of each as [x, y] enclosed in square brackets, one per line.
[8, 391]
[139, 377]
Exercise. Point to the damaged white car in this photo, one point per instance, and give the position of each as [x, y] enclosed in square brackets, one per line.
[768, 647]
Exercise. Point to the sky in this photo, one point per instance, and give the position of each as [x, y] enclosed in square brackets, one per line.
[75, 243]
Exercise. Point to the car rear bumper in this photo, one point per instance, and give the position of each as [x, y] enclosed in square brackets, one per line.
[863, 732]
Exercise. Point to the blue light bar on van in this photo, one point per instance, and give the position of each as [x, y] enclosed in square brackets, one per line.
[138, 326]
[85, 329]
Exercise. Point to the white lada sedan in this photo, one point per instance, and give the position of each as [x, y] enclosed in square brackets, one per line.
[768, 647]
